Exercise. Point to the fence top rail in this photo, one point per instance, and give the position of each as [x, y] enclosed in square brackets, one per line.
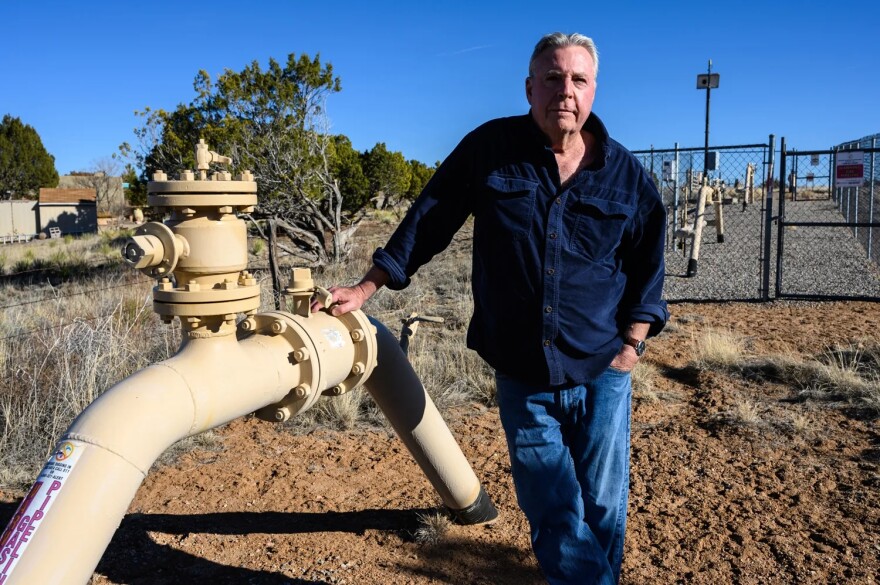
[699, 148]
[834, 150]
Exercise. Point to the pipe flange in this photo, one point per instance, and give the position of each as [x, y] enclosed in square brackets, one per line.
[204, 187]
[210, 309]
[206, 295]
[335, 354]
[363, 338]
[172, 248]
[174, 199]
[303, 350]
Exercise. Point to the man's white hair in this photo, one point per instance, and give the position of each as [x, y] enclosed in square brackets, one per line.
[558, 40]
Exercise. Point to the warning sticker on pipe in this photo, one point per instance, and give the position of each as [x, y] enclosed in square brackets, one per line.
[36, 504]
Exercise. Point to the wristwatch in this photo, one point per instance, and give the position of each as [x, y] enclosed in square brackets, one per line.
[637, 344]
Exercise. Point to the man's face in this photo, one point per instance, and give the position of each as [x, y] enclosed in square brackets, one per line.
[561, 90]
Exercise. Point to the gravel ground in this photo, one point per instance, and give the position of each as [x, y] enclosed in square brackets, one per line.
[817, 261]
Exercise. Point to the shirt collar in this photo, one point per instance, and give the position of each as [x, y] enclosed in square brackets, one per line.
[593, 125]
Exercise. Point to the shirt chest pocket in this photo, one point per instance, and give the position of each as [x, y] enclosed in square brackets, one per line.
[598, 226]
[509, 205]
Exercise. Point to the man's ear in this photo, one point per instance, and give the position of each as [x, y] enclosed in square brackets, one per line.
[529, 90]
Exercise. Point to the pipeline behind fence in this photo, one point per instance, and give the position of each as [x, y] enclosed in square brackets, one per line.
[794, 231]
[731, 260]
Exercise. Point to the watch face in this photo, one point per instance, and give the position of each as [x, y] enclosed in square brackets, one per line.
[640, 348]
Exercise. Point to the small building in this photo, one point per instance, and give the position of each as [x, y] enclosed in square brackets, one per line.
[19, 220]
[109, 190]
[73, 211]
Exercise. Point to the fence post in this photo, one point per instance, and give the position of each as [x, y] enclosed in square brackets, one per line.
[675, 197]
[780, 226]
[274, 267]
[858, 191]
[835, 195]
[768, 220]
[871, 197]
[848, 200]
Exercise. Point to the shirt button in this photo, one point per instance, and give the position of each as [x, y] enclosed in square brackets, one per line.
[546, 343]
[558, 200]
[548, 309]
[551, 271]
[553, 236]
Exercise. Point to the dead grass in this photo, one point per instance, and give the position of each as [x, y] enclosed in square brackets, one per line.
[644, 382]
[62, 345]
[208, 440]
[66, 256]
[433, 528]
[719, 349]
[849, 373]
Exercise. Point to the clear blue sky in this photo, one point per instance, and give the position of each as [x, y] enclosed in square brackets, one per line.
[419, 75]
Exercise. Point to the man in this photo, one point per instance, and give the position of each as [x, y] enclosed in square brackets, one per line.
[567, 281]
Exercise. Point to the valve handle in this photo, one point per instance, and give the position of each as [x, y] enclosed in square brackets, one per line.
[324, 296]
[205, 157]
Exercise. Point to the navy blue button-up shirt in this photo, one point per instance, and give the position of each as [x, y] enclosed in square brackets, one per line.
[558, 271]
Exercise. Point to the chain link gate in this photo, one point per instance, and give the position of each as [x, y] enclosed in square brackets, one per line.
[828, 235]
[732, 259]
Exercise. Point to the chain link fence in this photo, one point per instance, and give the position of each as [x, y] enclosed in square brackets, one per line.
[827, 240]
[731, 247]
[860, 205]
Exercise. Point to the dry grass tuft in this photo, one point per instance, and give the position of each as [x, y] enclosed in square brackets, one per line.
[848, 373]
[644, 377]
[432, 528]
[209, 441]
[720, 349]
[745, 412]
[802, 424]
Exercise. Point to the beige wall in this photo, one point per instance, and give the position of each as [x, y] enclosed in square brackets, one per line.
[18, 217]
[72, 219]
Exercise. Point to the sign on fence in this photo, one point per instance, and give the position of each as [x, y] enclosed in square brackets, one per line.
[850, 171]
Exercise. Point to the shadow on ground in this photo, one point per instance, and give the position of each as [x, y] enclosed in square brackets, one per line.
[134, 557]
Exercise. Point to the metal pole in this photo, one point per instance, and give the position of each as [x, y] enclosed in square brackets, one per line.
[701, 203]
[849, 201]
[706, 146]
[871, 196]
[856, 192]
[675, 197]
[832, 176]
[768, 220]
[780, 246]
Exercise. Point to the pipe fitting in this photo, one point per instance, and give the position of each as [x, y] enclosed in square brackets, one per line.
[154, 249]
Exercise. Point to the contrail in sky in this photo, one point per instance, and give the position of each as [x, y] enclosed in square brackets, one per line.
[468, 50]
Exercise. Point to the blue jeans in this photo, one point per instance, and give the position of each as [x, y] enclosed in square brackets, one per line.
[569, 455]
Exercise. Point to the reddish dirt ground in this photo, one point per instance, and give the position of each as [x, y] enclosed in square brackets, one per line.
[793, 497]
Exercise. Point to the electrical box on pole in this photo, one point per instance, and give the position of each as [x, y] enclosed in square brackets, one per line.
[670, 169]
[712, 160]
[707, 80]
